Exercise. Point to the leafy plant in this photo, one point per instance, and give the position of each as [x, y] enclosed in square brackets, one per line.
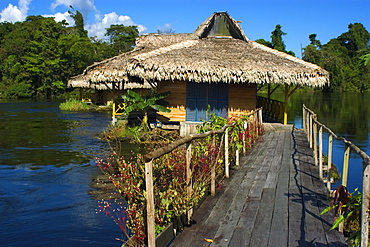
[347, 211]
[136, 102]
[172, 198]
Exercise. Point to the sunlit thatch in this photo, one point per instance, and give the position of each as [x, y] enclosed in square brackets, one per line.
[203, 57]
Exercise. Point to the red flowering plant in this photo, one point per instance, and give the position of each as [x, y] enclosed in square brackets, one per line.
[171, 194]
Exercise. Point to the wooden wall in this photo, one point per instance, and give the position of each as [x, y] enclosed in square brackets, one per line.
[242, 99]
[177, 99]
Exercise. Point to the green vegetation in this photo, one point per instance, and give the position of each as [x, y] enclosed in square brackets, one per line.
[172, 199]
[345, 57]
[75, 105]
[347, 208]
[39, 55]
[276, 40]
[136, 102]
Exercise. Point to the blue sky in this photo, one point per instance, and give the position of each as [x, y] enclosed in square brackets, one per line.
[298, 18]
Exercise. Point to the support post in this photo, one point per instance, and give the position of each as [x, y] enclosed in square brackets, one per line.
[286, 97]
[213, 174]
[315, 141]
[189, 177]
[310, 130]
[365, 205]
[227, 163]
[330, 158]
[345, 166]
[320, 153]
[304, 119]
[237, 157]
[150, 203]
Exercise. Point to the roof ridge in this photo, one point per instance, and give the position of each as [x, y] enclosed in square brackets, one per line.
[162, 50]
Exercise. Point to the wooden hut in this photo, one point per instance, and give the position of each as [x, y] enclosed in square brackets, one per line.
[216, 69]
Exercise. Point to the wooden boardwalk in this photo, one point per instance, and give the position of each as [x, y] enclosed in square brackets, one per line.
[274, 198]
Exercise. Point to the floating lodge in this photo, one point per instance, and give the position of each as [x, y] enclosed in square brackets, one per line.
[215, 69]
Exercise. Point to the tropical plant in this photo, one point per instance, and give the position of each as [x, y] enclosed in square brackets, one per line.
[347, 212]
[136, 102]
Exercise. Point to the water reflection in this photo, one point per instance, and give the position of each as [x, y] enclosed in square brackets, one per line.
[348, 115]
[46, 166]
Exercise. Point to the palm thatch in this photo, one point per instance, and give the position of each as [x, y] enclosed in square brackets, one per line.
[210, 55]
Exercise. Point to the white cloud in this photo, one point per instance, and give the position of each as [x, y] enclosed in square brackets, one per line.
[95, 29]
[84, 6]
[62, 16]
[15, 13]
[98, 29]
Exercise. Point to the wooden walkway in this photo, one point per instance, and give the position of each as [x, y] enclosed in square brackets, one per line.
[274, 198]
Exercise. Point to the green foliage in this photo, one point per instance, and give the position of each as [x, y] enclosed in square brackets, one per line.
[74, 105]
[136, 102]
[276, 41]
[122, 37]
[342, 57]
[347, 211]
[171, 195]
[39, 55]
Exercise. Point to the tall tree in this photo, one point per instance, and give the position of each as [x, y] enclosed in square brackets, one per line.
[79, 27]
[277, 38]
[122, 37]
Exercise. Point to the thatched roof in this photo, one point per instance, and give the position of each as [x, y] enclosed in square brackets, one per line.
[217, 52]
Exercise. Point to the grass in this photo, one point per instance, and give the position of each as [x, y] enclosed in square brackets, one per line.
[75, 105]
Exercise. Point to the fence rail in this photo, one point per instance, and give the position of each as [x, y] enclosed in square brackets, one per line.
[272, 108]
[256, 120]
[314, 130]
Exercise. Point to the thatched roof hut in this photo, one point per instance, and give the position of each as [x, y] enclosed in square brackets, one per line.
[217, 54]
[205, 56]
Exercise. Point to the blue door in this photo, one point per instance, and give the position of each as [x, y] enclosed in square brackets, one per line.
[203, 99]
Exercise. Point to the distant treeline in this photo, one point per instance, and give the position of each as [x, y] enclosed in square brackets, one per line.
[345, 57]
[38, 56]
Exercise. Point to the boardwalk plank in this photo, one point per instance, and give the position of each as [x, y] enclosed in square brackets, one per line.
[273, 199]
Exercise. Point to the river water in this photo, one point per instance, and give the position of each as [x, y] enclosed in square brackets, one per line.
[46, 169]
[47, 166]
[347, 115]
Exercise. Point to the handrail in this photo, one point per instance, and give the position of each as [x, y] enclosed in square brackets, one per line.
[148, 158]
[310, 124]
[272, 108]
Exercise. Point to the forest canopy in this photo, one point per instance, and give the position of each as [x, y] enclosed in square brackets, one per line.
[39, 55]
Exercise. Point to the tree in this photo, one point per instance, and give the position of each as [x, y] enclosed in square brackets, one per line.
[277, 38]
[316, 43]
[277, 42]
[341, 56]
[79, 27]
[122, 37]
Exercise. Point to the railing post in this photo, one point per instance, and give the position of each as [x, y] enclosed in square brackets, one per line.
[365, 205]
[345, 166]
[237, 157]
[320, 153]
[304, 119]
[189, 177]
[150, 203]
[315, 140]
[213, 174]
[310, 130]
[227, 164]
[330, 158]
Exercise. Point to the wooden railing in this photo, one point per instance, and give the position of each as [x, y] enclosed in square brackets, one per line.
[255, 121]
[272, 108]
[314, 130]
